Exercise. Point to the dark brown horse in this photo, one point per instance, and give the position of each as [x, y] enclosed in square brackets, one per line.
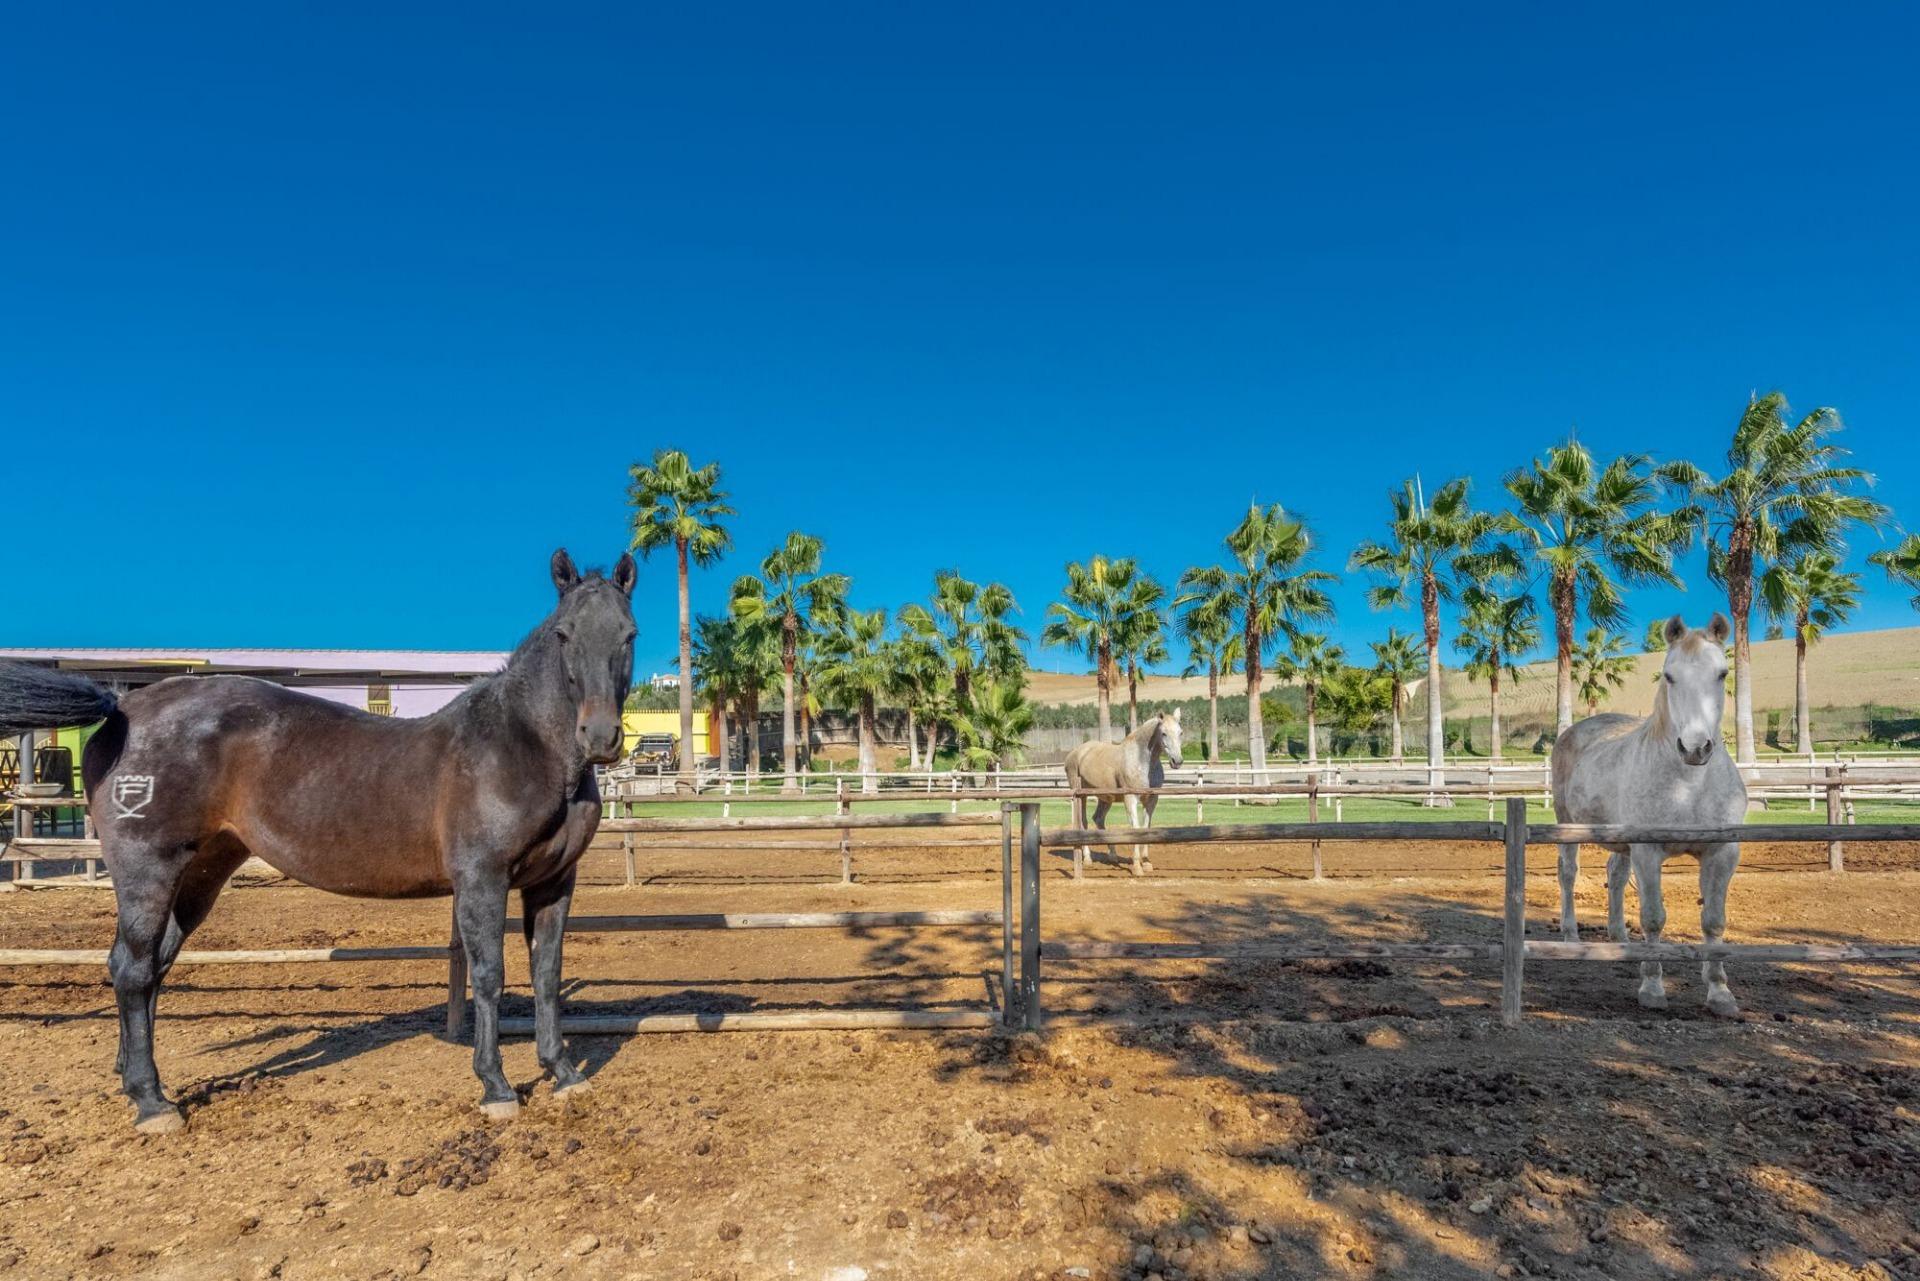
[494, 792]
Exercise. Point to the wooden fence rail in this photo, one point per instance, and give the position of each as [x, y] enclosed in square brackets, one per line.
[1514, 949]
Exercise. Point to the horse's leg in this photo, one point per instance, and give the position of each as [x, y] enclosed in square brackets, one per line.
[145, 880]
[1716, 872]
[1653, 919]
[1569, 872]
[1100, 821]
[1133, 820]
[1617, 897]
[198, 891]
[480, 912]
[543, 912]
[1146, 864]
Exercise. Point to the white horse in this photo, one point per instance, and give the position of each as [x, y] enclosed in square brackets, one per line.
[1124, 770]
[1658, 771]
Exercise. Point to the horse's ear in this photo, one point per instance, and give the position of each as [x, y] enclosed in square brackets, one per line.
[565, 575]
[1676, 628]
[1176, 716]
[1718, 629]
[624, 573]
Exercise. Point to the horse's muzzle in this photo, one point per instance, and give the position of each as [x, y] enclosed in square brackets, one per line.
[601, 744]
[1694, 756]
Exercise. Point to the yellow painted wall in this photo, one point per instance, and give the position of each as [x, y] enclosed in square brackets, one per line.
[638, 723]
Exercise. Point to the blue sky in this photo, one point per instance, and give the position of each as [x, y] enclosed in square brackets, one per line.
[323, 325]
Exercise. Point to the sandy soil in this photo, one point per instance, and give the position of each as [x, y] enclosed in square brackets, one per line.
[1190, 1119]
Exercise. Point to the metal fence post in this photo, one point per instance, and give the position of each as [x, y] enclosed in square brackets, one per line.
[1030, 916]
[1513, 951]
[1007, 993]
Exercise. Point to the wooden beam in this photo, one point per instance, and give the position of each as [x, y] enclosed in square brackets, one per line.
[761, 1021]
[1546, 950]
[254, 956]
[798, 822]
[773, 921]
[1056, 837]
[1617, 834]
[1102, 950]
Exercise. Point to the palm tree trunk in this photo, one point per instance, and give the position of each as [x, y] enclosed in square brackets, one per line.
[1213, 713]
[1399, 706]
[933, 740]
[1133, 698]
[1256, 728]
[1561, 595]
[868, 763]
[788, 757]
[1802, 713]
[1436, 705]
[1493, 688]
[1740, 599]
[1102, 678]
[724, 750]
[753, 733]
[913, 741]
[686, 673]
[1313, 692]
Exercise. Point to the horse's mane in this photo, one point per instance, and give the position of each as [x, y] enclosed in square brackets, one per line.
[529, 644]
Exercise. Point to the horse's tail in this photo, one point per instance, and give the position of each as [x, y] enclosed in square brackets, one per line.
[41, 698]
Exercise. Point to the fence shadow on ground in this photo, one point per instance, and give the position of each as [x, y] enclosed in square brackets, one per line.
[1351, 1118]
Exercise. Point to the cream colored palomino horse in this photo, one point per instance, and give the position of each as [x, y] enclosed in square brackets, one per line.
[1123, 770]
[1669, 769]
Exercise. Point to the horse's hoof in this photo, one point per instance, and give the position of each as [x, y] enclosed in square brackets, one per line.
[501, 1110]
[1723, 1005]
[568, 1093]
[167, 1122]
[1652, 999]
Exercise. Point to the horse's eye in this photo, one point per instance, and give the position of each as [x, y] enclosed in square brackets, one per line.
[1669, 676]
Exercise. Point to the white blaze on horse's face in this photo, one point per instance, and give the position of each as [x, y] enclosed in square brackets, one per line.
[1695, 678]
[1170, 736]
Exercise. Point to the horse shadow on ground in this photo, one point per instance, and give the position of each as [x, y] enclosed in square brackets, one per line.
[1352, 1118]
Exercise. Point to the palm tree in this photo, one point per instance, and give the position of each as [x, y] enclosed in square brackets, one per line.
[787, 594]
[1141, 640]
[1266, 588]
[972, 624]
[1601, 665]
[1433, 545]
[1096, 609]
[1313, 661]
[1815, 594]
[857, 670]
[993, 729]
[1494, 630]
[1213, 647]
[1785, 491]
[1356, 698]
[1589, 529]
[1902, 564]
[920, 677]
[679, 505]
[1655, 641]
[719, 671]
[1398, 659]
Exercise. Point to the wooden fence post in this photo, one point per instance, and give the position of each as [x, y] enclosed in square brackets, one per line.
[841, 808]
[1079, 851]
[1313, 816]
[1513, 951]
[456, 987]
[1007, 994]
[626, 848]
[1030, 916]
[1836, 852]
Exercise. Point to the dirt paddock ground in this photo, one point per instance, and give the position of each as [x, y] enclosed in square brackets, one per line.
[1185, 1119]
